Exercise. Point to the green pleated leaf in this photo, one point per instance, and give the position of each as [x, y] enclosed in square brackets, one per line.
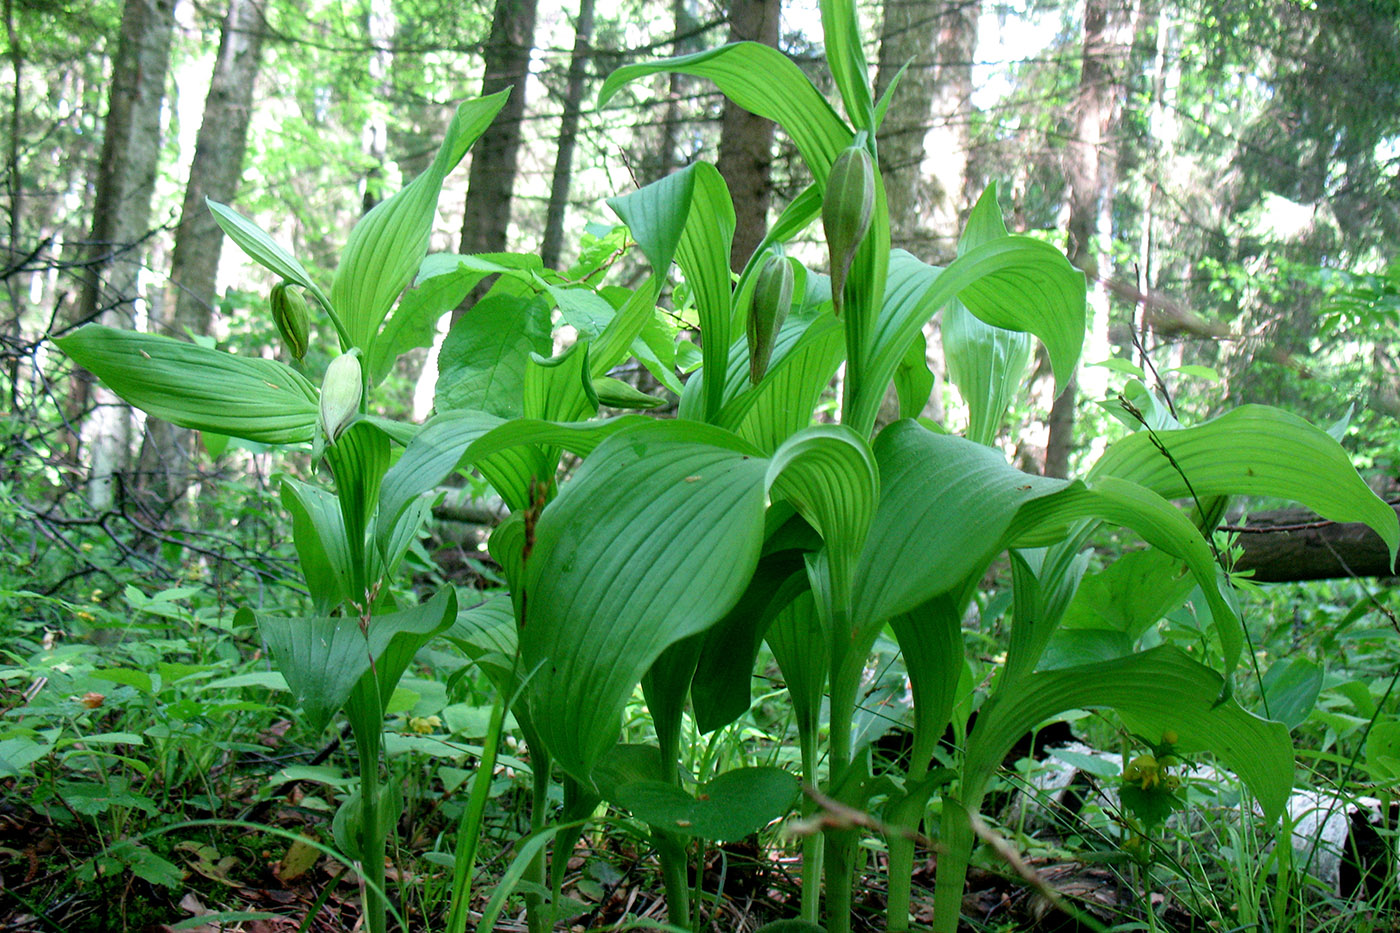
[1014, 283]
[799, 642]
[930, 638]
[323, 658]
[197, 387]
[1254, 451]
[828, 473]
[946, 506]
[358, 461]
[318, 531]
[986, 363]
[722, 689]
[1157, 691]
[465, 438]
[655, 216]
[653, 540]
[560, 388]
[730, 807]
[703, 255]
[262, 249]
[763, 81]
[804, 358]
[484, 357]
[387, 244]
[845, 56]
[630, 322]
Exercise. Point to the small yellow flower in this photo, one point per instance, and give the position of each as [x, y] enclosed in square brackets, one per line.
[424, 725]
[1143, 770]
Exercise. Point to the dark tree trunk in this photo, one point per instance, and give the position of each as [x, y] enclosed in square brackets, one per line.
[746, 140]
[188, 305]
[553, 243]
[491, 182]
[1090, 168]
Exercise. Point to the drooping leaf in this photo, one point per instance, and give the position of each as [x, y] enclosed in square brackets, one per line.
[1157, 691]
[703, 255]
[652, 541]
[1253, 450]
[318, 531]
[387, 244]
[199, 388]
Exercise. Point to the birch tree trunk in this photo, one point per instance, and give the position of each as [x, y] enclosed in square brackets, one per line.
[1091, 170]
[746, 140]
[126, 176]
[491, 181]
[167, 452]
[553, 243]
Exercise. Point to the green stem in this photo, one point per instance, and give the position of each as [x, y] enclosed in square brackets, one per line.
[956, 835]
[813, 852]
[373, 839]
[674, 861]
[539, 916]
[841, 844]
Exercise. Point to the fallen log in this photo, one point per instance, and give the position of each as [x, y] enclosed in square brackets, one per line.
[1288, 545]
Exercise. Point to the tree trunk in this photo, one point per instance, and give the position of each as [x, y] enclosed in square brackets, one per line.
[746, 140]
[167, 452]
[553, 243]
[924, 142]
[1090, 168]
[491, 182]
[126, 177]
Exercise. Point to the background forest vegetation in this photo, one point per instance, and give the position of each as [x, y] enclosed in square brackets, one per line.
[1225, 173]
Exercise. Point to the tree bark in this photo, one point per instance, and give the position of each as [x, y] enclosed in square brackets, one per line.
[491, 181]
[167, 452]
[1288, 545]
[1090, 168]
[746, 140]
[126, 177]
[553, 244]
[924, 142]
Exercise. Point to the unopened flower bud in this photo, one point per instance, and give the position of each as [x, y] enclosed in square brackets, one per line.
[293, 320]
[340, 394]
[772, 298]
[847, 208]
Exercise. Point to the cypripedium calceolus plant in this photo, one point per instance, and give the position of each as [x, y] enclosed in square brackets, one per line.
[677, 547]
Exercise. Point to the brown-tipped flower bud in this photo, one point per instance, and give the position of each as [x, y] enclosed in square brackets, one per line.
[847, 207]
[340, 394]
[293, 320]
[772, 298]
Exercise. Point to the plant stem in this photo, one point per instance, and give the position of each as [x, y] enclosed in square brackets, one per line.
[373, 840]
[813, 851]
[674, 861]
[470, 830]
[539, 916]
[956, 835]
[841, 843]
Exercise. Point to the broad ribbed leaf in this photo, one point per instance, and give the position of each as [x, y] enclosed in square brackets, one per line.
[1157, 691]
[846, 58]
[456, 439]
[263, 250]
[764, 81]
[1014, 283]
[318, 530]
[930, 638]
[655, 216]
[986, 363]
[799, 642]
[652, 541]
[946, 506]
[703, 255]
[358, 461]
[387, 244]
[804, 358]
[197, 387]
[560, 388]
[323, 658]
[829, 475]
[1254, 451]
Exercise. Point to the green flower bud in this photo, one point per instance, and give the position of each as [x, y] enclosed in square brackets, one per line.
[772, 298]
[847, 207]
[340, 394]
[293, 320]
